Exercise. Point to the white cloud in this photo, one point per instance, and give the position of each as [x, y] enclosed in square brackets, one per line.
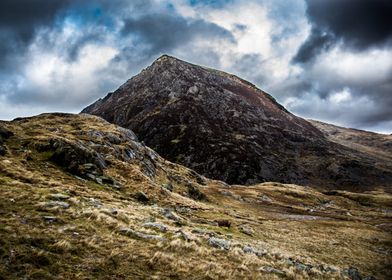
[50, 78]
[354, 68]
[340, 96]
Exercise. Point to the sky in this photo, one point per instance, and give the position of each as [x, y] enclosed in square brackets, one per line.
[329, 60]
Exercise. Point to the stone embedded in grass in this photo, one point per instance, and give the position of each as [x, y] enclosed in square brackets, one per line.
[183, 235]
[219, 243]
[169, 214]
[298, 265]
[202, 231]
[160, 227]
[50, 219]
[133, 233]
[98, 180]
[110, 211]
[226, 193]
[59, 196]
[95, 202]
[53, 204]
[246, 229]
[273, 270]
[265, 198]
[251, 250]
[353, 273]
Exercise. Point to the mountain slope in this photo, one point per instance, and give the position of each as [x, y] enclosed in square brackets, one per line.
[225, 128]
[374, 144]
[83, 199]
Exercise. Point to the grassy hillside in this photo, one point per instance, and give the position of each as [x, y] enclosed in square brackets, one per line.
[83, 199]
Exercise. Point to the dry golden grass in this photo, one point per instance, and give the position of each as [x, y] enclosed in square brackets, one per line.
[84, 241]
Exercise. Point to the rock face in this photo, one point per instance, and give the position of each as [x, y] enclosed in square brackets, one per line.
[226, 128]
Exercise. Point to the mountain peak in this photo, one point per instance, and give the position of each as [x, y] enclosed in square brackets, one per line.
[168, 59]
[226, 128]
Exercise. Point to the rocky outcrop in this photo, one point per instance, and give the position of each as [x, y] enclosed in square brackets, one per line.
[228, 129]
[4, 134]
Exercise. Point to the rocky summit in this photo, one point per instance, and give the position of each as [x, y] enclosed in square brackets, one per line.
[226, 128]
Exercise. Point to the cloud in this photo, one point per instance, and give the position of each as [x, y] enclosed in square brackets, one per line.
[328, 60]
[19, 20]
[358, 24]
[164, 32]
[349, 88]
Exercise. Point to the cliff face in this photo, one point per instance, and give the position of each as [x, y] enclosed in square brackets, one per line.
[226, 128]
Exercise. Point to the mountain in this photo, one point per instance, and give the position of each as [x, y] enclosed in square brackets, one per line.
[226, 128]
[81, 198]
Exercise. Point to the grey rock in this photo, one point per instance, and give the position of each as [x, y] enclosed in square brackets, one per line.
[270, 269]
[219, 243]
[200, 231]
[329, 269]
[50, 219]
[299, 265]
[251, 250]
[169, 214]
[352, 273]
[133, 233]
[247, 230]
[127, 134]
[53, 204]
[193, 90]
[95, 134]
[110, 211]
[99, 180]
[59, 196]
[91, 176]
[89, 166]
[112, 138]
[265, 198]
[226, 193]
[95, 202]
[160, 227]
[183, 235]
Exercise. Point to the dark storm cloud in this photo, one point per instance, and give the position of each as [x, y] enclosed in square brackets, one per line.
[317, 42]
[19, 21]
[163, 32]
[359, 24]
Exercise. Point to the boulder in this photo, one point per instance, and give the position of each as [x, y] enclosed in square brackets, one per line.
[133, 233]
[273, 270]
[157, 226]
[219, 243]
